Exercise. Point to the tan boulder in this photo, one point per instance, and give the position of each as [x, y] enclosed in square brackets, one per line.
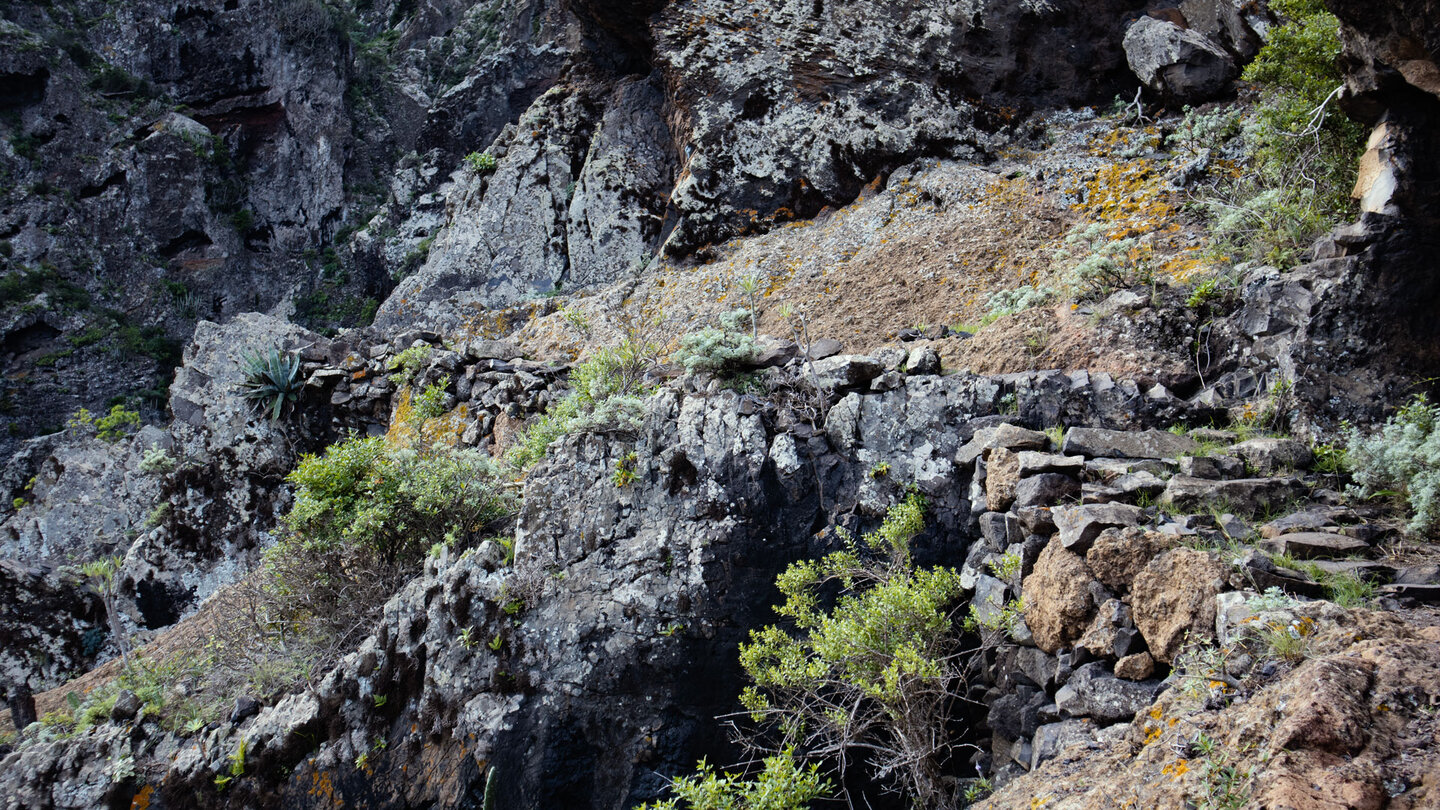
[1002, 475]
[1119, 554]
[1172, 600]
[1060, 597]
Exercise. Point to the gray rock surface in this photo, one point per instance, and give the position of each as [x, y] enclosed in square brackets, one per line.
[1080, 525]
[1101, 443]
[1180, 64]
[1096, 693]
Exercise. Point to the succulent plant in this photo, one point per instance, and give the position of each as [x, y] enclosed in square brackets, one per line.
[272, 381]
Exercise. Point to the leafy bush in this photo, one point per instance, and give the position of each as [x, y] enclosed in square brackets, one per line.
[1107, 264]
[117, 424]
[272, 381]
[480, 162]
[430, 402]
[1206, 130]
[607, 393]
[876, 671]
[1302, 148]
[1009, 302]
[1403, 456]
[718, 350]
[408, 363]
[112, 427]
[365, 515]
[783, 784]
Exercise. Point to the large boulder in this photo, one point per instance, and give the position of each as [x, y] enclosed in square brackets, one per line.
[1118, 555]
[1180, 64]
[1061, 596]
[1173, 600]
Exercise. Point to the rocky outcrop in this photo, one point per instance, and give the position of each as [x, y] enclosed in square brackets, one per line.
[750, 119]
[1177, 63]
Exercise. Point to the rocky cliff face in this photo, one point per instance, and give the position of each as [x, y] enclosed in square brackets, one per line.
[172, 168]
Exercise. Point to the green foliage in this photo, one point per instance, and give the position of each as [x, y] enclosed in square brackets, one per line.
[112, 427]
[1206, 291]
[975, 791]
[243, 220]
[150, 341]
[430, 402]
[16, 287]
[405, 365]
[157, 461]
[876, 670]
[1302, 149]
[607, 393]
[1007, 566]
[236, 767]
[364, 518]
[157, 515]
[624, 474]
[720, 350]
[1348, 589]
[1206, 130]
[480, 162]
[1009, 619]
[1106, 264]
[492, 788]
[783, 784]
[1403, 455]
[1330, 458]
[368, 499]
[272, 381]
[1223, 784]
[1009, 302]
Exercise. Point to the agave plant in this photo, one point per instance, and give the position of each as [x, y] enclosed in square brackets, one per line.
[272, 381]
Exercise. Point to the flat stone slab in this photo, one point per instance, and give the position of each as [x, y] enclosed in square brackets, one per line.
[1098, 443]
[1080, 525]
[1240, 495]
[1315, 545]
[1267, 456]
[1034, 463]
[1423, 593]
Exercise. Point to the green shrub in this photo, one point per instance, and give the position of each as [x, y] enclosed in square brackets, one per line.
[1106, 264]
[115, 425]
[718, 350]
[1207, 130]
[480, 162]
[624, 474]
[157, 461]
[783, 784]
[1302, 149]
[365, 515]
[1009, 302]
[272, 381]
[430, 402]
[874, 672]
[1403, 456]
[408, 363]
[608, 392]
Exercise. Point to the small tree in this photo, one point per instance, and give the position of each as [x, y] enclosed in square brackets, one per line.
[101, 575]
[875, 673]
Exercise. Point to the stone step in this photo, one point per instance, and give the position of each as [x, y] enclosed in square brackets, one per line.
[1315, 545]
